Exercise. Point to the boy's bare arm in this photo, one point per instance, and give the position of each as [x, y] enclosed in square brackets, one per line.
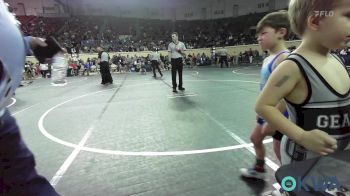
[281, 106]
[280, 84]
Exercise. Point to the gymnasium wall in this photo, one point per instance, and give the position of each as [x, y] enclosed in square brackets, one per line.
[153, 9]
[184, 10]
[126, 12]
[232, 50]
[213, 9]
[35, 7]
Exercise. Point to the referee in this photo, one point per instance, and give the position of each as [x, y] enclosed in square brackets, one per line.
[103, 59]
[176, 51]
[223, 57]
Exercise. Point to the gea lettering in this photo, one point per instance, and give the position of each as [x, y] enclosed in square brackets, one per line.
[333, 121]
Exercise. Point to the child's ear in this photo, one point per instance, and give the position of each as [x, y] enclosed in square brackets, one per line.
[282, 32]
[313, 22]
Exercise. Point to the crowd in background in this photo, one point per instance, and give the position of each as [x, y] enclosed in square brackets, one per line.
[84, 34]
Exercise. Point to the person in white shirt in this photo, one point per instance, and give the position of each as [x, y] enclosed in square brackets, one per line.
[155, 59]
[223, 57]
[103, 60]
[176, 52]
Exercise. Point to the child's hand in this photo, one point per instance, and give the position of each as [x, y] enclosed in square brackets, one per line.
[318, 141]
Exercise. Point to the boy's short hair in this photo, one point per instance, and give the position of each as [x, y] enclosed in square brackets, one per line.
[175, 33]
[300, 10]
[275, 20]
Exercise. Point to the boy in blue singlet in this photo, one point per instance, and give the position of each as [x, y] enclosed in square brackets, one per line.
[272, 31]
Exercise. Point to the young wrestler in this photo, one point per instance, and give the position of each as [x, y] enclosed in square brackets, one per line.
[313, 82]
[272, 30]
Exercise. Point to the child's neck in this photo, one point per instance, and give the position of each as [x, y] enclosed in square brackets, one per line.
[280, 46]
[312, 47]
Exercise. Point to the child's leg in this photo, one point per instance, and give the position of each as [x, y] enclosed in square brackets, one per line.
[277, 136]
[256, 138]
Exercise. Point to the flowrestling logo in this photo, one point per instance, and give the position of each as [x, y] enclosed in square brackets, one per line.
[315, 183]
[324, 13]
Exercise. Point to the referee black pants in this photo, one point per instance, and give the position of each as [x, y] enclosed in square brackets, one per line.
[105, 73]
[155, 65]
[176, 66]
[222, 60]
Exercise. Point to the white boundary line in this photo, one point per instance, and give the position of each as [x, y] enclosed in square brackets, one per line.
[133, 85]
[243, 81]
[13, 102]
[182, 95]
[116, 152]
[59, 174]
[24, 109]
[171, 153]
[80, 146]
[235, 72]
[77, 148]
[53, 138]
[50, 85]
[269, 162]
